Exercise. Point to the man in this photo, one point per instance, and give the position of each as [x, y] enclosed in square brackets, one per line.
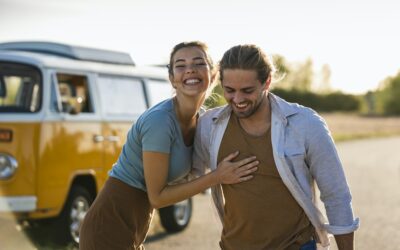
[276, 209]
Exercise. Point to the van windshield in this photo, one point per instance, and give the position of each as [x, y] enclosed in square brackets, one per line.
[20, 88]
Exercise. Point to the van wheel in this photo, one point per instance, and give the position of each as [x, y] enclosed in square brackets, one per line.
[74, 211]
[175, 218]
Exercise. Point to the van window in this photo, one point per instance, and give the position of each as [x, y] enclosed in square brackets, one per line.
[121, 95]
[158, 90]
[20, 88]
[74, 93]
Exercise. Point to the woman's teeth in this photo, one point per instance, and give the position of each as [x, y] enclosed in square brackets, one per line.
[192, 81]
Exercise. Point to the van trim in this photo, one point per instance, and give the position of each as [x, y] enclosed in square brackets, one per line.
[26, 118]
[18, 203]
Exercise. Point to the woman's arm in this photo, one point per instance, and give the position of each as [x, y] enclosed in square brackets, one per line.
[161, 194]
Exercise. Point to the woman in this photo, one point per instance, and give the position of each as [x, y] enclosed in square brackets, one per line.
[158, 151]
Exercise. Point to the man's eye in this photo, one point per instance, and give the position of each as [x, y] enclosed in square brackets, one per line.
[179, 66]
[248, 91]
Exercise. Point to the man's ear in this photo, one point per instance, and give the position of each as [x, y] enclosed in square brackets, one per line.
[268, 83]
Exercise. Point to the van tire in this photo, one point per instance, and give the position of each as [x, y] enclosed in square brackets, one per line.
[176, 218]
[71, 217]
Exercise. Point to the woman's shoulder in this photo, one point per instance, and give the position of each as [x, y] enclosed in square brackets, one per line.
[163, 106]
[160, 113]
[161, 110]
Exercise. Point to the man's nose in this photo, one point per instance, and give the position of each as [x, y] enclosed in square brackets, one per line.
[237, 98]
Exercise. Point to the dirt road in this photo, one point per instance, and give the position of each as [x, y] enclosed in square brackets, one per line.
[373, 170]
[372, 167]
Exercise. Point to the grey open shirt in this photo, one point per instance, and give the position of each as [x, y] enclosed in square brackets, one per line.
[304, 154]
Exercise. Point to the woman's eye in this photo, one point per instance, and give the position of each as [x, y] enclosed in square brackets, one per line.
[179, 66]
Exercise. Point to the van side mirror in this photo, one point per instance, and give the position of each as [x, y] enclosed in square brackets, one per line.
[3, 90]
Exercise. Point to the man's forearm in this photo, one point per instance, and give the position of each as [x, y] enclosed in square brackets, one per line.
[345, 241]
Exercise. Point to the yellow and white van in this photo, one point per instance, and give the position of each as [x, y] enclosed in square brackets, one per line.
[64, 115]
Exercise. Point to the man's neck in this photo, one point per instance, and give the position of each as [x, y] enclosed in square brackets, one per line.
[258, 123]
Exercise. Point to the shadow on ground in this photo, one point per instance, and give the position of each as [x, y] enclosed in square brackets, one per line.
[44, 237]
[158, 236]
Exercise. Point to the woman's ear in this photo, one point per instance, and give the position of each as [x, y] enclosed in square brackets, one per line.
[214, 77]
[171, 79]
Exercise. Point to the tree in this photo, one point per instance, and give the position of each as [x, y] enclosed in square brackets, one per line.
[305, 76]
[323, 84]
[294, 76]
[389, 95]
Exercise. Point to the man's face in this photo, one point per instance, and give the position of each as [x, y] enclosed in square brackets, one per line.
[243, 91]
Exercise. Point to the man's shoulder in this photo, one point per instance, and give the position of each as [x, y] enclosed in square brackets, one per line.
[308, 115]
[297, 111]
[213, 113]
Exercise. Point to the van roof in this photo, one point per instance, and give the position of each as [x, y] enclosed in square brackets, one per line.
[70, 51]
[66, 63]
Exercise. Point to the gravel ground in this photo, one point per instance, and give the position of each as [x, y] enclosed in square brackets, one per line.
[372, 167]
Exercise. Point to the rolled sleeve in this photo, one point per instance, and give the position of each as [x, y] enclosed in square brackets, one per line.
[337, 230]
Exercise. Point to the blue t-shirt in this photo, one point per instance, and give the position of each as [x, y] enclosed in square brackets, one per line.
[156, 130]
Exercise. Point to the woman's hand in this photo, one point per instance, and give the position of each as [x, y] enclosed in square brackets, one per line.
[229, 172]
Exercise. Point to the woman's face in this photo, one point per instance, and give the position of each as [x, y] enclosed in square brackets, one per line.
[191, 72]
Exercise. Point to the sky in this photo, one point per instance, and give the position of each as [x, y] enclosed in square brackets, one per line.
[356, 38]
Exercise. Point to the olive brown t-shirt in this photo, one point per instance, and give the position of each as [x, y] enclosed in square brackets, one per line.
[260, 213]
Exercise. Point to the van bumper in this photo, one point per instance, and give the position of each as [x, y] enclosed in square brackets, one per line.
[18, 203]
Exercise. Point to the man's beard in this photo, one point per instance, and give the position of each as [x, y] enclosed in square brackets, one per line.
[247, 114]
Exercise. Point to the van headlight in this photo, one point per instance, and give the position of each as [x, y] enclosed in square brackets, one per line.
[8, 166]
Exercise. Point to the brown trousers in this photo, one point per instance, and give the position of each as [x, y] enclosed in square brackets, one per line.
[118, 219]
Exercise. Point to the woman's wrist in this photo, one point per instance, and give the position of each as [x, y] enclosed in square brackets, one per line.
[215, 179]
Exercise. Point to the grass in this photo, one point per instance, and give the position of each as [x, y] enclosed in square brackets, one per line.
[353, 126]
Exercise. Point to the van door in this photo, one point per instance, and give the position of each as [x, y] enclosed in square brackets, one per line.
[68, 140]
[122, 101]
[21, 95]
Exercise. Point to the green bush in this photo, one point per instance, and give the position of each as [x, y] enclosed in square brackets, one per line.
[326, 103]
[335, 101]
[391, 96]
[385, 100]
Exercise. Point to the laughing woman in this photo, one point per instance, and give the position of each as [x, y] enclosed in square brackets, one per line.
[158, 151]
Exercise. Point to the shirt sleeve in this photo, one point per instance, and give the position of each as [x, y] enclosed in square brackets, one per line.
[200, 155]
[157, 132]
[328, 172]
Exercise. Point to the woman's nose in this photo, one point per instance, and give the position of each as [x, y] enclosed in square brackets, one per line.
[190, 68]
